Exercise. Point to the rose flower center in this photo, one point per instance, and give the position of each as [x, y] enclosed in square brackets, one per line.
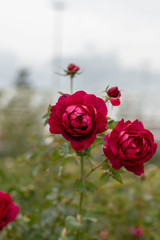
[76, 119]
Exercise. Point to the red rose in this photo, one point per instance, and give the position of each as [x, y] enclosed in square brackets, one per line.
[8, 210]
[72, 68]
[78, 117]
[129, 145]
[114, 95]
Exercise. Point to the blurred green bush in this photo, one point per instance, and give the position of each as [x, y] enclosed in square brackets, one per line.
[40, 174]
[42, 184]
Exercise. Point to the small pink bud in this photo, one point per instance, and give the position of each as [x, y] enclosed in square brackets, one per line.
[114, 95]
[136, 231]
[103, 235]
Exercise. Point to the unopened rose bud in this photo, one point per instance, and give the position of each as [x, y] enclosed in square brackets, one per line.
[114, 95]
[136, 231]
[139, 232]
[72, 68]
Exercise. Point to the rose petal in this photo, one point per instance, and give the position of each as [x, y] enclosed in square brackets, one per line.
[116, 164]
[12, 214]
[54, 128]
[55, 118]
[106, 138]
[76, 98]
[79, 147]
[136, 169]
[97, 103]
[61, 105]
[115, 101]
[101, 122]
[89, 141]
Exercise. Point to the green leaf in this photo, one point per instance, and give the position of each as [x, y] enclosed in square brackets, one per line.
[61, 93]
[53, 194]
[35, 170]
[55, 156]
[45, 115]
[64, 149]
[116, 175]
[111, 124]
[106, 165]
[85, 152]
[46, 122]
[90, 187]
[48, 215]
[91, 159]
[49, 109]
[99, 140]
[79, 185]
[104, 178]
[72, 224]
[91, 219]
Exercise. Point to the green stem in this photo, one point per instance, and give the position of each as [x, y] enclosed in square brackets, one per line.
[81, 195]
[71, 85]
[90, 172]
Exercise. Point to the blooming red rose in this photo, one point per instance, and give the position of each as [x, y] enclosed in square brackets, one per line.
[129, 145]
[78, 117]
[8, 210]
[114, 95]
[72, 68]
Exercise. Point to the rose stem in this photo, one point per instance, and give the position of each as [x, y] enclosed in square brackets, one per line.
[71, 85]
[81, 195]
[93, 169]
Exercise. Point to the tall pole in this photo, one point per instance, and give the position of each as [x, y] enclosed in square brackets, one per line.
[58, 6]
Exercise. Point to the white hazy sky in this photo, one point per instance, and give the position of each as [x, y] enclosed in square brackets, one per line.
[130, 29]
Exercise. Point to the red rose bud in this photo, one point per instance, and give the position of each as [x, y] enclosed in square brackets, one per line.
[136, 231]
[129, 145]
[8, 210]
[114, 95]
[78, 117]
[72, 69]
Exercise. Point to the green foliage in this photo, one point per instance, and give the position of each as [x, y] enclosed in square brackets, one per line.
[18, 121]
[45, 182]
[79, 185]
[116, 175]
[46, 115]
[111, 124]
[47, 191]
[72, 224]
[84, 186]
[85, 152]
[104, 178]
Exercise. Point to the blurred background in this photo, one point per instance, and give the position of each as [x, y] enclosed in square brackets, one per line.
[115, 43]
